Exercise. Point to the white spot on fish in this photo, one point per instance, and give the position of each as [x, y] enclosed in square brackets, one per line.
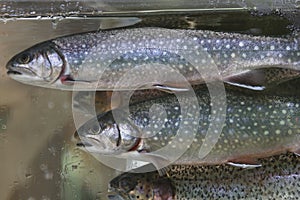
[272, 47]
[266, 133]
[241, 44]
[256, 48]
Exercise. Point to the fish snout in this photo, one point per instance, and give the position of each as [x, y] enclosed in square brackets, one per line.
[12, 69]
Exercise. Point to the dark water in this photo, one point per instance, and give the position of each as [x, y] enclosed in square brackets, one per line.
[38, 158]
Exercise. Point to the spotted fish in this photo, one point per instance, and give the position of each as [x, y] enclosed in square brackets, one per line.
[103, 101]
[255, 126]
[145, 58]
[278, 178]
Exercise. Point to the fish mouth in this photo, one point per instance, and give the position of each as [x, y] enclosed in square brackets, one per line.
[83, 144]
[13, 72]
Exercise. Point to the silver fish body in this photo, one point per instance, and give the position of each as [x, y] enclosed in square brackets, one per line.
[255, 126]
[278, 178]
[127, 59]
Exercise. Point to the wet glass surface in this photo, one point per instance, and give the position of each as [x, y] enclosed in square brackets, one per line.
[38, 158]
[107, 7]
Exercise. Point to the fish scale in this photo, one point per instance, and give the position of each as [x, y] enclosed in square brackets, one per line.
[97, 61]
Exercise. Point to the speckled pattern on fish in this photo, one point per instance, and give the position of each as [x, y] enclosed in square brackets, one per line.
[255, 126]
[99, 60]
[278, 178]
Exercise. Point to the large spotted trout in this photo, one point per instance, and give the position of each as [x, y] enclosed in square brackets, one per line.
[250, 126]
[146, 58]
[278, 178]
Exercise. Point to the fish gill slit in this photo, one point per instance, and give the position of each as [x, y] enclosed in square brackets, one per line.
[119, 136]
[63, 58]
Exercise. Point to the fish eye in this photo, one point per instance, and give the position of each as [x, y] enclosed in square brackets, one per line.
[25, 58]
[95, 129]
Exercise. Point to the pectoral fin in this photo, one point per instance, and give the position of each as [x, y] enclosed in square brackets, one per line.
[159, 162]
[68, 80]
[245, 166]
[253, 80]
[170, 89]
[246, 163]
[260, 79]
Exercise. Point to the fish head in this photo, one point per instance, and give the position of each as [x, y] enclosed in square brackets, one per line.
[125, 182]
[39, 65]
[105, 136]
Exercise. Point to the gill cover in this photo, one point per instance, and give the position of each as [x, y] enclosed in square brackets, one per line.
[42, 62]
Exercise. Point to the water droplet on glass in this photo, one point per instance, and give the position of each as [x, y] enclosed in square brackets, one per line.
[48, 175]
[28, 175]
[51, 105]
[43, 167]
